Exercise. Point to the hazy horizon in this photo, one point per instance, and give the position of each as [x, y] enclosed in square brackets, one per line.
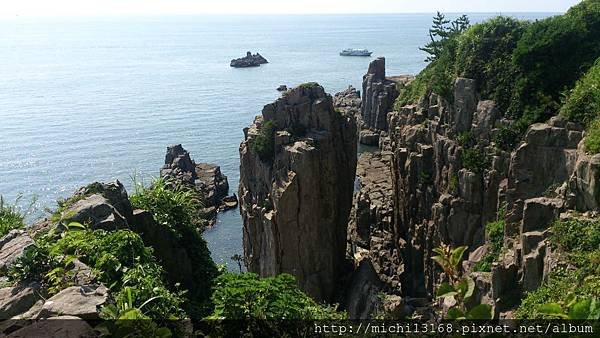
[107, 8]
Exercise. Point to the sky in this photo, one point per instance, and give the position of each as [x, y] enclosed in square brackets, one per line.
[59, 8]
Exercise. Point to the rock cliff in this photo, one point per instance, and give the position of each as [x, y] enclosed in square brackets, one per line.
[297, 170]
[439, 177]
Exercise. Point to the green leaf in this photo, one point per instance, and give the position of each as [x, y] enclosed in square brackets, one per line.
[457, 255]
[441, 261]
[470, 288]
[552, 309]
[580, 310]
[75, 226]
[445, 290]
[481, 311]
[162, 332]
[455, 313]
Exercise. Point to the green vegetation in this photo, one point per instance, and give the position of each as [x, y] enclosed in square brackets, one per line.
[583, 102]
[475, 160]
[578, 243]
[246, 296]
[119, 260]
[525, 67]
[178, 208]
[10, 218]
[264, 143]
[495, 239]
[459, 288]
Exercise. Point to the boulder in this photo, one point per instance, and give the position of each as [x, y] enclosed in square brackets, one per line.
[56, 327]
[348, 101]
[114, 193]
[97, 212]
[12, 246]
[18, 299]
[282, 88]
[369, 137]
[81, 301]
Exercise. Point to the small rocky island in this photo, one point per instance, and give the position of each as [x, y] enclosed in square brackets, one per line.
[250, 60]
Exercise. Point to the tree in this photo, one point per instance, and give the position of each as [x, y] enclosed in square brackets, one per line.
[437, 33]
[440, 33]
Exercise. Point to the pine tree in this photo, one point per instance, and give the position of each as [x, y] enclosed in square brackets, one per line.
[437, 33]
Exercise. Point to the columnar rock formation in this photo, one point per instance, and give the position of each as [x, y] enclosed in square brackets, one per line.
[439, 177]
[379, 95]
[295, 200]
[206, 178]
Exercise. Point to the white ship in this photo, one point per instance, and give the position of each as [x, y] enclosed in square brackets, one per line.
[355, 52]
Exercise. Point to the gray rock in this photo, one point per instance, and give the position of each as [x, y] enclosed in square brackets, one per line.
[485, 118]
[80, 301]
[295, 208]
[12, 246]
[18, 299]
[249, 60]
[379, 95]
[167, 248]
[57, 327]
[539, 213]
[114, 192]
[362, 298]
[368, 137]
[96, 212]
[465, 103]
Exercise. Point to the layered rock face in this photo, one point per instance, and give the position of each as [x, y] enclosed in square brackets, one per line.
[438, 177]
[295, 203]
[379, 95]
[205, 177]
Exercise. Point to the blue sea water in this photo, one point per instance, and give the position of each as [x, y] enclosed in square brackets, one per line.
[91, 99]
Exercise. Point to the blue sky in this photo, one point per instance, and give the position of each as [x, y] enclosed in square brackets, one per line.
[174, 7]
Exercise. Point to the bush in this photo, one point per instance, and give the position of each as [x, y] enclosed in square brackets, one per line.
[583, 102]
[485, 54]
[247, 296]
[592, 138]
[10, 218]
[264, 143]
[474, 160]
[552, 55]
[178, 208]
[495, 240]
[119, 259]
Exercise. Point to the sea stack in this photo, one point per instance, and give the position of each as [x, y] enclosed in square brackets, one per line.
[298, 163]
[249, 60]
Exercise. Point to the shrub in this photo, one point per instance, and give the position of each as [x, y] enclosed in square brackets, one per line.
[583, 102]
[495, 240]
[484, 54]
[10, 218]
[178, 208]
[264, 143]
[474, 160]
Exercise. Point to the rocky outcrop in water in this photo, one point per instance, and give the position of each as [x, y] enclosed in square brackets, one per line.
[206, 178]
[297, 170]
[250, 60]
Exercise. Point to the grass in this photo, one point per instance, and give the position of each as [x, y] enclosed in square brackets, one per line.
[495, 239]
[264, 143]
[10, 218]
[592, 137]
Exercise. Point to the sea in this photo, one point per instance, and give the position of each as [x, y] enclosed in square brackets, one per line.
[99, 99]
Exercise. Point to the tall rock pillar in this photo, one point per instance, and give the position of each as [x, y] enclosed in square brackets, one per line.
[298, 163]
